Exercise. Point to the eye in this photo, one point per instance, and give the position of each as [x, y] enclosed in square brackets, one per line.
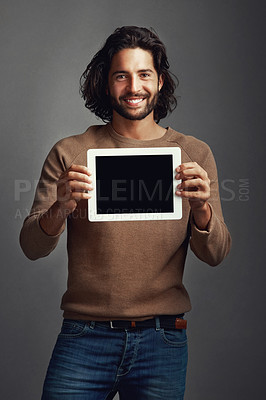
[120, 77]
[145, 75]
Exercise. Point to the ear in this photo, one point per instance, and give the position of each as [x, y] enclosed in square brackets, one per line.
[160, 82]
[106, 91]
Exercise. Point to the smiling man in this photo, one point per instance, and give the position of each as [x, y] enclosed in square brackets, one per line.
[133, 84]
[124, 329]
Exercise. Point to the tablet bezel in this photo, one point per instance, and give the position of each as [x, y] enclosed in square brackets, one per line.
[93, 216]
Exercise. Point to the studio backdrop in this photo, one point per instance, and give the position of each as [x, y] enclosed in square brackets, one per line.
[215, 48]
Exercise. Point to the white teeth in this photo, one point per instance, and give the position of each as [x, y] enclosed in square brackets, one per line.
[135, 101]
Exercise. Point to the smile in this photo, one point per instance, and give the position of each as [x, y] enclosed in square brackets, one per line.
[133, 101]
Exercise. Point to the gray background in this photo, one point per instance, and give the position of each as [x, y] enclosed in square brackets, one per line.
[215, 49]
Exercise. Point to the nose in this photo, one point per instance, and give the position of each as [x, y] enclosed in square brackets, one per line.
[133, 84]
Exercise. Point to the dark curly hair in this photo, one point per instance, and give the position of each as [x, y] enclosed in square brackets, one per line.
[94, 79]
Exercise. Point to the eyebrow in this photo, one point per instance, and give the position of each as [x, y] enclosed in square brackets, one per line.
[126, 72]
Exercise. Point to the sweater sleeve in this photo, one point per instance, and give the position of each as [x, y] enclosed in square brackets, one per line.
[213, 244]
[34, 242]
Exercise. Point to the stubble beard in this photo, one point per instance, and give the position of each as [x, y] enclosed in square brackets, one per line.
[121, 109]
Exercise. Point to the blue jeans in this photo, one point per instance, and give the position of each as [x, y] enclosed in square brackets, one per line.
[91, 361]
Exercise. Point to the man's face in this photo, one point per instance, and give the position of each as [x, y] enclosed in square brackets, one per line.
[133, 84]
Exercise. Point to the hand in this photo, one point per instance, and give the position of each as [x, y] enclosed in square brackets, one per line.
[195, 187]
[73, 185]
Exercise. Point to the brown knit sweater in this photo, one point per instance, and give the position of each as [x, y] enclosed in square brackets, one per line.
[125, 270]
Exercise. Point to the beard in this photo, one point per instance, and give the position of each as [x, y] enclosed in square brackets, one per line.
[122, 110]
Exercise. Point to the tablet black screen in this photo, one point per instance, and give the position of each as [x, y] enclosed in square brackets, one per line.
[134, 184]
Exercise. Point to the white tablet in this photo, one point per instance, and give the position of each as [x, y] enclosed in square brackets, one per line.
[134, 184]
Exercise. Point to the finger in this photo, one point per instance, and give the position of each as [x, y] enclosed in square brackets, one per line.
[76, 186]
[73, 176]
[187, 165]
[82, 169]
[65, 189]
[192, 195]
[191, 173]
[77, 196]
[78, 176]
[194, 184]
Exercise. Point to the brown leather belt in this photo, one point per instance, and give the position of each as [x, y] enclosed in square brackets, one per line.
[165, 322]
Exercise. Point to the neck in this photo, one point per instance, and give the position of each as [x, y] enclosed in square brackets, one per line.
[145, 129]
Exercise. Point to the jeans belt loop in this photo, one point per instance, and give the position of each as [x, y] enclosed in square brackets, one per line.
[92, 324]
[157, 322]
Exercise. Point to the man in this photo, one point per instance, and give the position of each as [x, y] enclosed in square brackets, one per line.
[124, 328]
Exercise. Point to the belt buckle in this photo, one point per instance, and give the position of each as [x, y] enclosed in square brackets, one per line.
[132, 325]
[112, 326]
